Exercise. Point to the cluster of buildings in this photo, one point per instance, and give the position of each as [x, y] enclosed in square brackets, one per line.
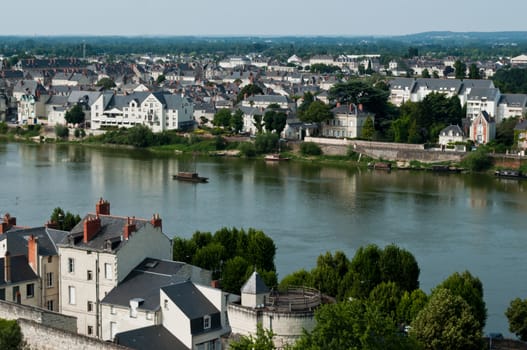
[168, 94]
[114, 275]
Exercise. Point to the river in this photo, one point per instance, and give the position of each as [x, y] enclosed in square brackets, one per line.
[450, 222]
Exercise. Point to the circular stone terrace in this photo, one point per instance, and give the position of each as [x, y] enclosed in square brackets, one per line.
[294, 299]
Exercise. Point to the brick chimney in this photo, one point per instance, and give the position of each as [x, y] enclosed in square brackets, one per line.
[52, 225]
[91, 227]
[102, 207]
[9, 219]
[7, 267]
[129, 228]
[156, 221]
[360, 107]
[32, 253]
[7, 223]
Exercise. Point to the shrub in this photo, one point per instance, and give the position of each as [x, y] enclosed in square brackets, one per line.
[477, 160]
[61, 131]
[247, 149]
[310, 149]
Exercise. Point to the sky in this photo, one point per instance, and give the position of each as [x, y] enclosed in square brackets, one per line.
[265, 18]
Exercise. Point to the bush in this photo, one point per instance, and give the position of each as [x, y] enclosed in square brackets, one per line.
[477, 160]
[310, 149]
[247, 149]
[61, 131]
[3, 128]
[265, 143]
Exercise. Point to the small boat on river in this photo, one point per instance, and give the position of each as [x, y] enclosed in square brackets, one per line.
[509, 174]
[275, 157]
[189, 176]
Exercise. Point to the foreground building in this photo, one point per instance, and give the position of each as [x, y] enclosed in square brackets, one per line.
[97, 255]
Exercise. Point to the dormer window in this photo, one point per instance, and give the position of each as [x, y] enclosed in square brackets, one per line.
[206, 322]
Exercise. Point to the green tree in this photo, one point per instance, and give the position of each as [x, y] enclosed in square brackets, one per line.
[368, 129]
[260, 250]
[234, 274]
[366, 270]
[236, 122]
[262, 341]
[331, 273]
[517, 315]
[387, 296]
[3, 128]
[478, 160]
[222, 118]
[317, 112]
[210, 257]
[310, 149]
[11, 337]
[460, 69]
[505, 132]
[425, 74]
[140, 136]
[161, 78]
[249, 90]
[106, 83]
[473, 72]
[307, 100]
[297, 279]
[275, 121]
[446, 322]
[470, 289]
[61, 131]
[75, 115]
[322, 68]
[353, 325]
[399, 266]
[410, 304]
[265, 143]
[258, 123]
[435, 75]
[183, 249]
[65, 221]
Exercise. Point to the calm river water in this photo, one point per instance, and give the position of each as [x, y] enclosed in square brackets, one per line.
[449, 222]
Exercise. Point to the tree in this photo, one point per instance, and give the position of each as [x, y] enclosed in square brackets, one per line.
[11, 337]
[470, 289]
[249, 90]
[505, 132]
[366, 270]
[236, 122]
[517, 315]
[425, 74]
[307, 100]
[410, 304]
[460, 69]
[222, 118]
[478, 160]
[447, 71]
[140, 136]
[234, 274]
[210, 257]
[310, 149]
[317, 112]
[435, 75]
[329, 275]
[65, 221]
[373, 99]
[183, 249]
[106, 83]
[262, 341]
[353, 325]
[260, 250]
[75, 115]
[399, 266]
[275, 121]
[446, 322]
[296, 279]
[473, 72]
[161, 78]
[265, 143]
[368, 129]
[258, 123]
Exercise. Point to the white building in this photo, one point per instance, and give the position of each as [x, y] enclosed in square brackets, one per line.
[450, 135]
[348, 121]
[159, 111]
[97, 255]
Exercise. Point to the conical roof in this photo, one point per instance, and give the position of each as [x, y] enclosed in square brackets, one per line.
[255, 285]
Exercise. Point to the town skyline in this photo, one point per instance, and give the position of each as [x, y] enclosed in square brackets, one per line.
[237, 18]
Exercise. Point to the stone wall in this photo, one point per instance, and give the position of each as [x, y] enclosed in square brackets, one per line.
[12, 311]
[385, 150]
[40, 337]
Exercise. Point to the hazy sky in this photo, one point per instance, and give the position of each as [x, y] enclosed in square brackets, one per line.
[266, 17]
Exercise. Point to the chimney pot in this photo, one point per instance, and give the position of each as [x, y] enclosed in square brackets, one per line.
[91, 228]
[102, 207]
[32, 253]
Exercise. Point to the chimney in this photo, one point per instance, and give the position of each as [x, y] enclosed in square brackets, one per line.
[32, 253]
[4, 227]
[338, 104]
[10, 220]
[7, 267]
[52, 225]
[360, 107]
[129, 228]
[102, 207]
[156, 221]
[91, 227]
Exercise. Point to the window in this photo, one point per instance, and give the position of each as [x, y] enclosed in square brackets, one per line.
[89, 276]
[71, 294]
[113, 329]
[2, 294]
[30, 290]
[71, 265]
[90, 306]
[50, 259]
[49, 279]
[112, 310]
[49, 305]
[90, 330]
[206, 322]
[108, 272]
[148, 315]
[166, 304]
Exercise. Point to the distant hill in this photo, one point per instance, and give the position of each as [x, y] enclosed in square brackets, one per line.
[456, 38]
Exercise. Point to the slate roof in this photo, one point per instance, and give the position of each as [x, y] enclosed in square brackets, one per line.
[47, 240]
[456, 129]
[268, 98]
[521, 126]
[170, 101]
[255, 285]
[112, 229]
[89, 96]
[145, 280]
[483, 93]
[190, 300]
[147, 338]
[514, 100]
[20, 270]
